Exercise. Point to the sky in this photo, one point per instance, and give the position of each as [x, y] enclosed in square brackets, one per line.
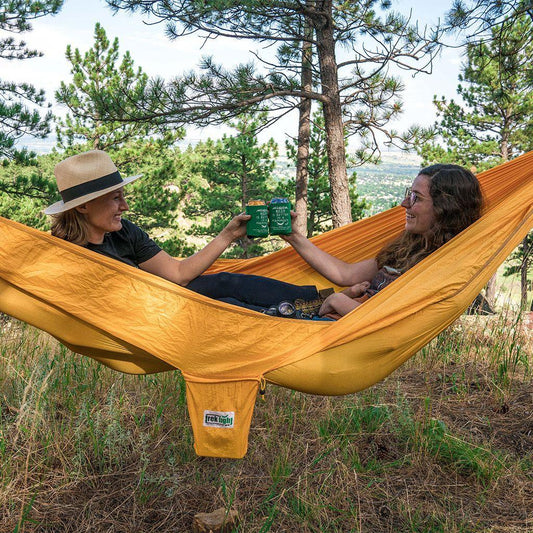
[151, 49]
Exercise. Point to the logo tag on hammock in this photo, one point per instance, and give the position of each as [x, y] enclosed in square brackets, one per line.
[218, 419]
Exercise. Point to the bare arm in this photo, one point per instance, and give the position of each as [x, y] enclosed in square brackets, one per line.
[185, 270]
[338, 303]
[334, 269]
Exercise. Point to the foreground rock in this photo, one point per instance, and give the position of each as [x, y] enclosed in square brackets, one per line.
[219, 521]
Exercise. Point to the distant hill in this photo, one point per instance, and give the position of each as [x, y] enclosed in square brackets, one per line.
[384, 185]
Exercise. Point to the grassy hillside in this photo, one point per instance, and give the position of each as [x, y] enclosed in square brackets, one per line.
[445, 444]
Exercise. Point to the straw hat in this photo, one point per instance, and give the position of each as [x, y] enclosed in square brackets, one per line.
[84, 177]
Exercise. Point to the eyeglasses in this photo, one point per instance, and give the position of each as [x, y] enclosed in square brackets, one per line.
[410, 196]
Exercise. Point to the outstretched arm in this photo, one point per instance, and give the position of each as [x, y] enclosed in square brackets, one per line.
[185, 270]
[334, 269]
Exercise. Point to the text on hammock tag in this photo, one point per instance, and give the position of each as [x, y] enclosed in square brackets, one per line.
[219, 419]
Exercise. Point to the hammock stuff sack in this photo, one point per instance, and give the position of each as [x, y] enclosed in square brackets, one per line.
[135, 322]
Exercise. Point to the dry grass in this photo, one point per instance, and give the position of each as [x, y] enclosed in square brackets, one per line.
[445, 444]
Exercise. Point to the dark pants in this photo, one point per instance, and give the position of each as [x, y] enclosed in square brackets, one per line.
[254, 292]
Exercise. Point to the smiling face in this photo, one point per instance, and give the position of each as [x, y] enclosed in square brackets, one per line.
[420, 214]
[104, 214]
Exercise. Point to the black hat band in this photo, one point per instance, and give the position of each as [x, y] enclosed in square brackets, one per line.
[89, 187]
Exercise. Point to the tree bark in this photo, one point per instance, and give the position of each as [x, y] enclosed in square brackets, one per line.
[245, 242]
[490, 290]
[304, 135]
[338, 176]
[523, 274]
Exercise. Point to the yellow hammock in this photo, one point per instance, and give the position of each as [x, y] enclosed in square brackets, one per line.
[135, 322]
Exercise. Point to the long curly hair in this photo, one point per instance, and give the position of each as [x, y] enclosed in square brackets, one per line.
[457, 201]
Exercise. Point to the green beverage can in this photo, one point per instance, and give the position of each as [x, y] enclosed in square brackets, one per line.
[279, 213]
[257, 226]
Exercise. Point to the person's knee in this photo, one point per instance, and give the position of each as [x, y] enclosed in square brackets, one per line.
[228, 281]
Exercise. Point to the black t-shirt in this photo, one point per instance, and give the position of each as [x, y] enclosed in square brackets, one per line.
[131, 245]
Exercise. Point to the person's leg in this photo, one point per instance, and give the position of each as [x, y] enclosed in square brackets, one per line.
[233, 301]
[249, 289]
[274, 311]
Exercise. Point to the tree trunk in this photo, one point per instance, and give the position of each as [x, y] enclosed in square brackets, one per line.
[245, 242]
[304, 135]
[505, 150]
[490, 290]
[338, 177]
[523, 274]
[504, 140]
[96, 140]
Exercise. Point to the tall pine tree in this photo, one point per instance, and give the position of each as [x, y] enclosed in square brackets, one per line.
[98, 75]
[494, 121]
[20, 102]
[358, 94]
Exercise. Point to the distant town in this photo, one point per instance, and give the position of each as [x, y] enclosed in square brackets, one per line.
[382, 185]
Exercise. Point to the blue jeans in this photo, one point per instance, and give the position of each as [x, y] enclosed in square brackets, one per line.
[254, 292]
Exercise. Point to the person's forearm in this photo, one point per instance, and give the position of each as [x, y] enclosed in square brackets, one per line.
[197, 264]
[184, 271]
[335, 270]
[338, 303]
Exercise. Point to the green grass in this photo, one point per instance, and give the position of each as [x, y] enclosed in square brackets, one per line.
[445, 444]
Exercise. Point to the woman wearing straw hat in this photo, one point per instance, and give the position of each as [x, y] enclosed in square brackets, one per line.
[90, 215]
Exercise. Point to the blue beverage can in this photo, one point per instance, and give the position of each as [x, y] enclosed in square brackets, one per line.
[279, 214]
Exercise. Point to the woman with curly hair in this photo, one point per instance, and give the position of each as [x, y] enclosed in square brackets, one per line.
[443, 200]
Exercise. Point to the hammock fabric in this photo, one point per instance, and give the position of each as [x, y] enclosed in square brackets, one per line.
[135, 322]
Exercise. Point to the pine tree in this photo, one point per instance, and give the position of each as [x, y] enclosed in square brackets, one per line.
[19, 115]
[153, 199]
[357, 94]
[235, 169]
[519, 263]
[27, 187]
[97, 75]
[137, 147]
[318, 190]
[495, 123]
